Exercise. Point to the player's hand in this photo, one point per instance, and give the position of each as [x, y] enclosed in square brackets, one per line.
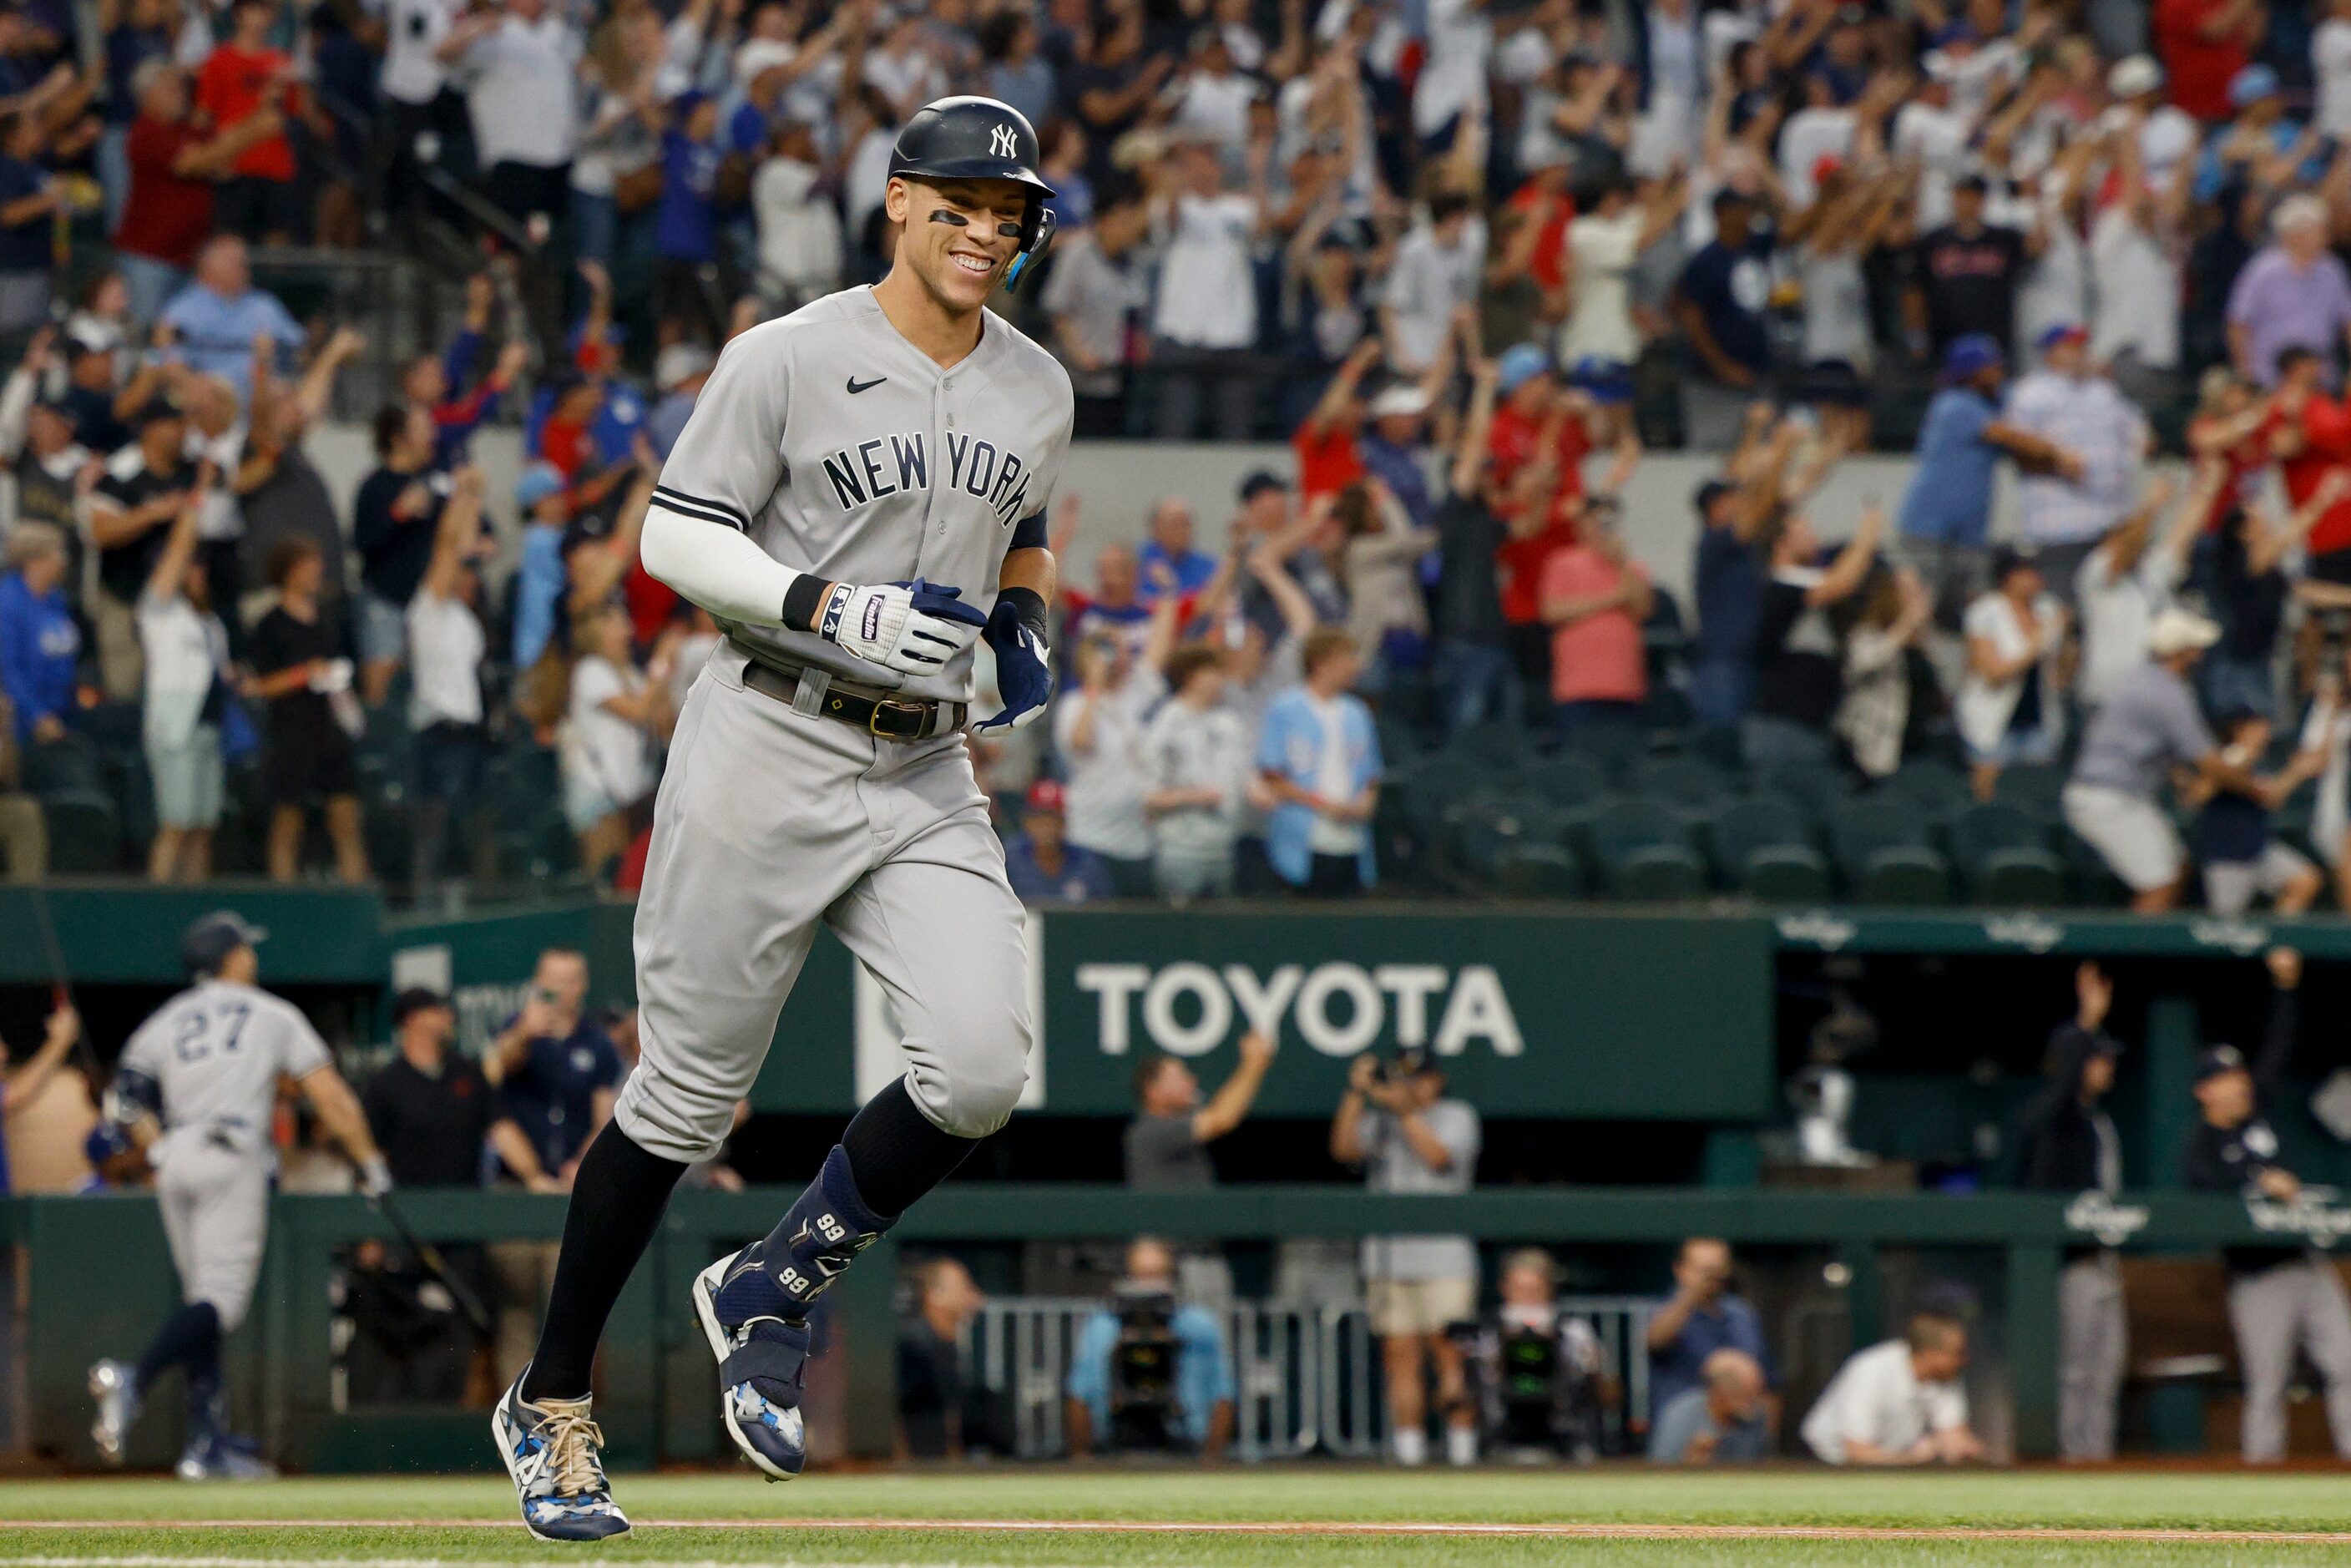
[2285, 967]
[911, 627]
[375, 1177]
[1024, 668]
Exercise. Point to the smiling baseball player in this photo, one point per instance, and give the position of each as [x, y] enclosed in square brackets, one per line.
[859, 497]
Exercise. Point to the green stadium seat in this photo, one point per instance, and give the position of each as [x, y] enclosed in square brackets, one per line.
[1720, 746]
[1666, 714]
[1401, 744]
[1938, 788]
[54, 767]
[1614, 747]
[1763, 847]
[115, 728]
[1567, 780]
[1496, 742]
[1645, 852]
[2036, 787]
[1539, 870]
[85, 832]
[1691, 783]
[1886, 855]
[2005, 857]
[1478, 830]
[1820, 787]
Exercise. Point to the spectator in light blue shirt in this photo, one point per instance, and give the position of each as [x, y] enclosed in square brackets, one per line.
[1202, 1420]
[1320, 756]
[1943, 529]
[216, 319]
[540, 577]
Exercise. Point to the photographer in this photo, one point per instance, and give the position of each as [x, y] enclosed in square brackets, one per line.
[1395, 1123]
[1149, 1376]
[1544, 1381]
[1703, 1315]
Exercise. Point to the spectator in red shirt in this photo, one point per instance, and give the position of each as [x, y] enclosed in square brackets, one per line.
[2231, 426]
[2204, 43]
[1536, 415]
[1596, 600]
[1328, 458]
[174, 166]
[242, 78]
[2311, 439]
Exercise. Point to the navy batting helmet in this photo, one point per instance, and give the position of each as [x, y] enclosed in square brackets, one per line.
[975, 137]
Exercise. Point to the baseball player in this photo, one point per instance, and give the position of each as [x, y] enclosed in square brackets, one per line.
[859, 497]
[196, 1090]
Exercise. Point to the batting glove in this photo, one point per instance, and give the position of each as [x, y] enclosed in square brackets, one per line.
[1024, 667]
[911, 627]
[375, 1178]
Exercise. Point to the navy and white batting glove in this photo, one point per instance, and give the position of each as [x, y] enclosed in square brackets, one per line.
[1024, 665]
[911, 627]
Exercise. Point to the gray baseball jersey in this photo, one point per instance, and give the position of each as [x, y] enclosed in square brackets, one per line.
[216, 1052]
[843, 450]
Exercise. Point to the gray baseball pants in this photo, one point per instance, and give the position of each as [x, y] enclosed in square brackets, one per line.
[2302, 1303]
[770, 822]
[215, 1208]
[2093, 1344]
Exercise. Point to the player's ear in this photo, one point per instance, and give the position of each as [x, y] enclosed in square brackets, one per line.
[897, 199]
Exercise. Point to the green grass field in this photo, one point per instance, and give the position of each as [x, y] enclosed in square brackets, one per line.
[909, 1518]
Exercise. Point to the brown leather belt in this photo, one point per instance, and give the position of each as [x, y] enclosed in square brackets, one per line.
[882, 714]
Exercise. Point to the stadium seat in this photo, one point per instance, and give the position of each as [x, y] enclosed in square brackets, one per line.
[85, 832]
[1820, 787]
[1567, 780]
[2037, 787]
[1645, 852]
[115, 728]
[1401, 744]
[53, 766]
[1938, 788]
[1691, 783]
[1539, 870]
[1614, 747]
[2005, 857]
[1763, 848]
[1497, 742]
[1480, 829]
[1886, 855]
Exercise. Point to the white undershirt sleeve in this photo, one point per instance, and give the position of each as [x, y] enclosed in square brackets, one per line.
[716, 567]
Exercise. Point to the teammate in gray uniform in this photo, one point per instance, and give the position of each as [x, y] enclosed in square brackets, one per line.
[196, 1089]
[859, 497]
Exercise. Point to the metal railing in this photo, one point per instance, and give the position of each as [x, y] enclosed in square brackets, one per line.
[1306, 1380]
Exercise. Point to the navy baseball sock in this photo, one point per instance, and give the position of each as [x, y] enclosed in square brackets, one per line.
[897, 1153]
[190, 1337]
[617, 1199]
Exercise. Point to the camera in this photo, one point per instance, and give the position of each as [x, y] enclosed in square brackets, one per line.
[1144, 1364]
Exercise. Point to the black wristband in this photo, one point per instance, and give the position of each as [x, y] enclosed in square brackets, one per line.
[1028, 608]
[802, 599]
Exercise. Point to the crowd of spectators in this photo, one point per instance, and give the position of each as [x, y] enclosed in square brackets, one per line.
[1465, 258]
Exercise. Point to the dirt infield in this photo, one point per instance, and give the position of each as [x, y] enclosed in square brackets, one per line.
[1328, 1528]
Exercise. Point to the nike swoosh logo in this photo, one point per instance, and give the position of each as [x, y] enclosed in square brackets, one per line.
[856, 386]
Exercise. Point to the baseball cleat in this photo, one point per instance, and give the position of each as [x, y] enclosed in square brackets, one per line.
[217, 1459]
[114, 1387]
[555, 1455]
[762, 1355]
[753, 1311]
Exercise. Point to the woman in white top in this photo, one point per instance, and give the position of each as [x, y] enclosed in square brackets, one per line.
[445, 647]
[2009, 710]
[610, 721]
[1833, 238]
[2327, 731]
[186, 653]
[1602, 247]
[1098, 733]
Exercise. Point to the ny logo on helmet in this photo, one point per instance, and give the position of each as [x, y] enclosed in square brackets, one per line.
[1003, 143]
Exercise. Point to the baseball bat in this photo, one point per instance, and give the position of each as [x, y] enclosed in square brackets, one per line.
[468, 1304]
[61, 984]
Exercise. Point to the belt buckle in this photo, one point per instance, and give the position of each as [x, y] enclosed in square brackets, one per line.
[898, 704]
